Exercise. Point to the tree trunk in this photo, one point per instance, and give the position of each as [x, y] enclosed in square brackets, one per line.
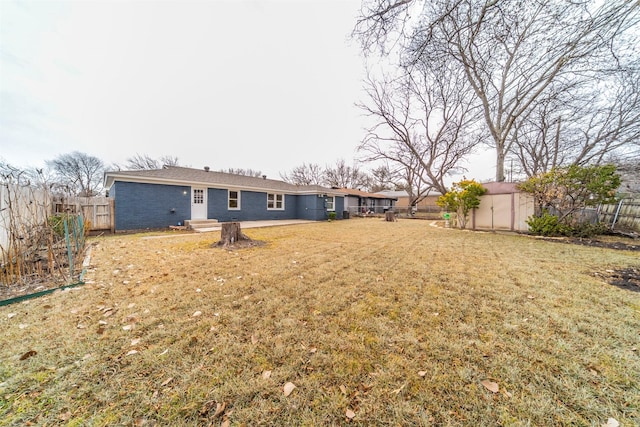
[500, 158]
[390, 216]
[231, 234]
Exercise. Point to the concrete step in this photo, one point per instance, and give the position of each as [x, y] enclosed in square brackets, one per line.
[197, 224]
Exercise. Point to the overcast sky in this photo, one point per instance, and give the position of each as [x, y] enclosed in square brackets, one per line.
[264, 84]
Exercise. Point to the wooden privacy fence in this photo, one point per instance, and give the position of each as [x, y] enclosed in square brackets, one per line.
[623, 215]
[97, 211]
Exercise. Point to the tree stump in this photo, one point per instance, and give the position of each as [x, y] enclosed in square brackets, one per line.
[390, 216]
[231, 234]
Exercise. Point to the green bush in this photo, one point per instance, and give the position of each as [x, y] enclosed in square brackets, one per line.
[550, 225]
[332, 216]
[589, 230]
[547, 225]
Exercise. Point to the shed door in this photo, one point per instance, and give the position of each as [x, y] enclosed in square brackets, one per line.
[198, 203]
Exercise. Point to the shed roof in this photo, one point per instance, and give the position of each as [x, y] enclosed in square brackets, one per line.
[189, 176]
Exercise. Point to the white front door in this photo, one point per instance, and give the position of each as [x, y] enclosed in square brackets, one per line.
[198, 203]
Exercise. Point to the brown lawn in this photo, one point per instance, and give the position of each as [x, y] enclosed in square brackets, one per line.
[374, 323]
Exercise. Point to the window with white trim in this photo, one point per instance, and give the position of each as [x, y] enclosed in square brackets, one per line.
[234, 200]
[330, 203]
[275, 201]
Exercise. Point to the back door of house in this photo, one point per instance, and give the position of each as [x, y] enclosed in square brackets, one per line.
[198, 203]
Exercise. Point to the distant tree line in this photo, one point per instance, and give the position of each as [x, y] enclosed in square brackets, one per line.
[81, 174]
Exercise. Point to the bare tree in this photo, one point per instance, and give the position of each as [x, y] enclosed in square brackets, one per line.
[420, 119]
[512, 53]
[383, 178]
[342, 175]
[144, 161]
[306, 174]
[81, 173]
[245, 172]
[584, 127]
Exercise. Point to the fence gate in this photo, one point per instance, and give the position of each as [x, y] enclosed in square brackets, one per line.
[96, 211]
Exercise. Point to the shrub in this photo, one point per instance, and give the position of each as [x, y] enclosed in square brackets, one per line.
[462, 198]
[546, 225]
[589, 230]
[332, 216]
[549, 225]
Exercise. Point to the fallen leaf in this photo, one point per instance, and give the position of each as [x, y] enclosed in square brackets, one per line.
[490, 385]
[81, 326]
[266, 375]
[220, 407]
[288, 388]
[611, 422]
[127, 327]
[65, 416]
[531, 297]
[313, 350]
[343, 389]
[196, 314]
[398, 390]
[422, 373]
[350, 414]
[132, 352]
[131, 305]
[22, 325]
[28, 354]
[254, 340]
[135, 342]
[167, 381]
[164, 352]
[10, 315]
[102, 322]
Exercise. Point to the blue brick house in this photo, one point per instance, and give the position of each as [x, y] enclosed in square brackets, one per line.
[159, 198]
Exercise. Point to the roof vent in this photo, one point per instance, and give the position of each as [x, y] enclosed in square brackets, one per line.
[206, 168]
[264, 176]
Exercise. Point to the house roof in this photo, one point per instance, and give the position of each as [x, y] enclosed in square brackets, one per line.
[364, 194]
[403, 193]
[188, 176]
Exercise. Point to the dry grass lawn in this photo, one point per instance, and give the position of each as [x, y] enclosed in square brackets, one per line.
[375, 323]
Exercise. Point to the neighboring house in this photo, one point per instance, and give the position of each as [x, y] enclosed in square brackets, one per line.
[169, 196]
[630, 175]
[502, 207]
[360, 202]
[428, 204]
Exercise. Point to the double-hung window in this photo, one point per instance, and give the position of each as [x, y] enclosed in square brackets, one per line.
[234, 200]
[275, 201]
[330, 203]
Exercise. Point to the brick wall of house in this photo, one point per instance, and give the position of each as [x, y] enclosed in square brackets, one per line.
[140, 206]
